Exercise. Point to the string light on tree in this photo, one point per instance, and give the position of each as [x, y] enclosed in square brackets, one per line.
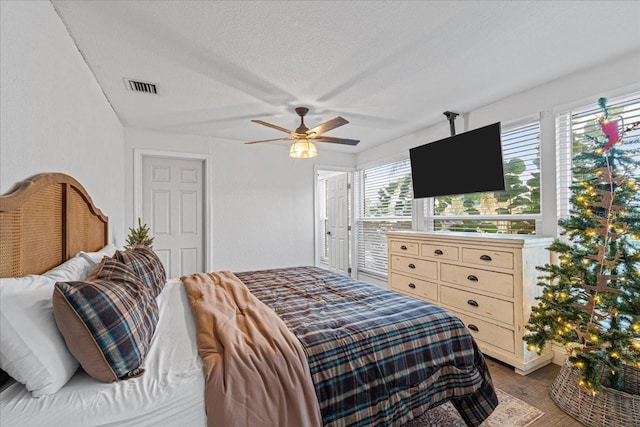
[591, 297]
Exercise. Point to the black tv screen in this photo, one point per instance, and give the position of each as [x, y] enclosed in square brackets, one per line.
[470, 162]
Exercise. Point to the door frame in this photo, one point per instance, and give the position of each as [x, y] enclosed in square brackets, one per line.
[317, 235]
[140, 153]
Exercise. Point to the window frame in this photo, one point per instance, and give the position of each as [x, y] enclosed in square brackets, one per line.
[429, 217]
[379, 269]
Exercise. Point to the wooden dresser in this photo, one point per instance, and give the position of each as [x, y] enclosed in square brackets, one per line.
[487, 280]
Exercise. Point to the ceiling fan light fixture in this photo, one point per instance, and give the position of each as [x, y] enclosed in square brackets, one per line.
[303, 149]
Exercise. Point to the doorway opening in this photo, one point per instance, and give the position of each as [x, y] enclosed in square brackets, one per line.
[334, 201]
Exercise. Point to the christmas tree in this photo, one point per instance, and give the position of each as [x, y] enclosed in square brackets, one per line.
[139, 235]
[591, 296]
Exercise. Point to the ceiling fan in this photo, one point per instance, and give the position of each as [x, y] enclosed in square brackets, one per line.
[304, 138]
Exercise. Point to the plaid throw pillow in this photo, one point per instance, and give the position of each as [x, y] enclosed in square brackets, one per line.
[147, 266]
[107, 322]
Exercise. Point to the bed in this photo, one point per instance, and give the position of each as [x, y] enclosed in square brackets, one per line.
[374, 357]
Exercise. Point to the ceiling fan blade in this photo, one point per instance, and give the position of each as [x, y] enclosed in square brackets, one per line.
[273, 126]
[269, 140]
[327, 126]
[337, 140]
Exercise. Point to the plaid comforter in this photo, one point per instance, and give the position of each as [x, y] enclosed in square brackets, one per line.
[377, 358]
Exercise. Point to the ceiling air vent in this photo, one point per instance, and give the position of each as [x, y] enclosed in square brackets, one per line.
[140, 86]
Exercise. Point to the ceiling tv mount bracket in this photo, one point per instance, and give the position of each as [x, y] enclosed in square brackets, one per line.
[451, 116]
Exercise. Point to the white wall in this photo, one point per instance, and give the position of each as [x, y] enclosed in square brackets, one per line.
[262, 202]
[53, 115]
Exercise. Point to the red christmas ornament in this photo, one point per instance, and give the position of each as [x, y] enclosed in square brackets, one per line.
[610, 129]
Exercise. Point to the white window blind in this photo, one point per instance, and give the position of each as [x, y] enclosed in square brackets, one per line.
[571, 128]
[385, 200]
[515, 210]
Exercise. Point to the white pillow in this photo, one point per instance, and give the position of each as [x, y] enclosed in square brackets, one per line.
[96, 257]
[76, 268]
[32, 350]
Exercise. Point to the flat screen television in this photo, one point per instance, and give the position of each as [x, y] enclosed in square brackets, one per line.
[469, 162]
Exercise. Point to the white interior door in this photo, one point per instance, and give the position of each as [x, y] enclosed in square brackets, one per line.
[172, 207]
[338, 223]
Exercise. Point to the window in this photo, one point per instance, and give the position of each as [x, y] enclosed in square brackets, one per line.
[385, 203]
[513, 211]
[384, 193]
[571, 128]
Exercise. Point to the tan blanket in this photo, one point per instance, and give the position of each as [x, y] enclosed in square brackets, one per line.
[255, 369]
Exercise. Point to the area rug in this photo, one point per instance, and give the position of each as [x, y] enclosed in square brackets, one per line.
[510, 412]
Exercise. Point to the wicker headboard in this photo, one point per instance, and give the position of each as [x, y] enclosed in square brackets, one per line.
[44, 221]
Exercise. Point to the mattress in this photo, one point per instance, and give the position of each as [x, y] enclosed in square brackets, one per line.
[169, 393]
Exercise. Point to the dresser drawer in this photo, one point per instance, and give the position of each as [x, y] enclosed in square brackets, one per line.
[489, 333]
[488, 258]
[476, 304]
[417, 287]
[477, 279]
[419, 267]
[408, 248]
[434, 250]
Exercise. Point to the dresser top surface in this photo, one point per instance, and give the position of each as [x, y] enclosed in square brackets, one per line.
[489, 238]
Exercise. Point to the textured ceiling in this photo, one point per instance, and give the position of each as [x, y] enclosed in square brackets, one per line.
[389, 67]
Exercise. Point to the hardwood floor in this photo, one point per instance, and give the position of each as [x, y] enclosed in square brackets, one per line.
[533, 389]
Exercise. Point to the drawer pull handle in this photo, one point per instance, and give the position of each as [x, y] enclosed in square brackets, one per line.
[412, 266]
[473, 327]
[438, 252]
[472, 278]
[485, 257]
[473, 303]
[412, 286]
[403, 247]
